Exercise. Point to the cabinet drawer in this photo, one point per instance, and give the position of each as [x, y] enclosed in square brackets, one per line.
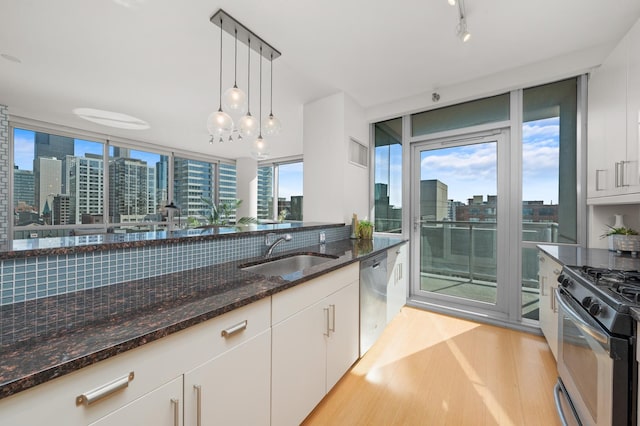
[295, 299]
[153, 364]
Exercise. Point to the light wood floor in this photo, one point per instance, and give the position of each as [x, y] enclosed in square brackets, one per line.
[431, 369]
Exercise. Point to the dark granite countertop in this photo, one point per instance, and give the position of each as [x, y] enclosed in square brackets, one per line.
[46, 338]
[600, 258]
[90, 243]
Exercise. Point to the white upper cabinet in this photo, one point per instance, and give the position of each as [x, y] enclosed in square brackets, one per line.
[614, 105]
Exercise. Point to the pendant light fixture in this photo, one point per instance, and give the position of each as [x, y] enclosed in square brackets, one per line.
[248, 126]
[234, 99]
[461, 28]
[273, 125]
[260, 148]
[220, 124]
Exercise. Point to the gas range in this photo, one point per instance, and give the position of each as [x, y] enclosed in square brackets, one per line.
[606, 294]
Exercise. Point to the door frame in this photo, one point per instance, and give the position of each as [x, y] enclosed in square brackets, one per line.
[463, 137]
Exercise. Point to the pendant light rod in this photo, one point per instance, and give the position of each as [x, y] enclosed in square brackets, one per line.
[260, 103]
[220, 97]
[235, 62]
[249, 77]
[271, 97]
[231, 25]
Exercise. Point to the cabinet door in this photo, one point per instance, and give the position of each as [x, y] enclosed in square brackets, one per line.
[632, 169]
[608, 110]
[549, 270]
[233, 387]
[342, 342]
[161, 407]
[397, 285]
[298, 380]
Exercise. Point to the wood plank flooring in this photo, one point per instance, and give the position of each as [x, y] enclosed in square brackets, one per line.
[432, 369]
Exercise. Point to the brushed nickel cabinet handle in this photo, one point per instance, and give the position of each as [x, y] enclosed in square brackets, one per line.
[542, 280]
[332, 308]
[598, 172]
[103, 391]
[198, 389]
[176, 411]
[327, 329]
[234, 329]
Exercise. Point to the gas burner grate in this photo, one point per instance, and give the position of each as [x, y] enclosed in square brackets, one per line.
[610, 277]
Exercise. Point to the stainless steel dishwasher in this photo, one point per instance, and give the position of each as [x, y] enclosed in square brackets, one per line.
[373, 300]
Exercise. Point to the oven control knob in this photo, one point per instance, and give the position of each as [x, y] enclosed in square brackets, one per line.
[560, 278]
[595, 309]
[566, 282]
[587, 301]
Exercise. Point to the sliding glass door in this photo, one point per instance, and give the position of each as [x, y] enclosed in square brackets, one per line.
[459, 200]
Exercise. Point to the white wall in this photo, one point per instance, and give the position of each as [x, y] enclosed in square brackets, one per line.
[247, 187]
[334, 189]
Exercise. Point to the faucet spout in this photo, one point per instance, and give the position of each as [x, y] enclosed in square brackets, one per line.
[272, 246]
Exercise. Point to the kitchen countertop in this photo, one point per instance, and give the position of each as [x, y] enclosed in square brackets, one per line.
[47, 338]
[600, 258]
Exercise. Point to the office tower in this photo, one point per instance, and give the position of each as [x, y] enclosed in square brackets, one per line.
[23, 189]
[47, 178]
[86, 187]
[162, 173]
[265, 192]
[193, 182]
[128, 194]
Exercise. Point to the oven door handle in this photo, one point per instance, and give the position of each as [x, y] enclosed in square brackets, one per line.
[596, 334]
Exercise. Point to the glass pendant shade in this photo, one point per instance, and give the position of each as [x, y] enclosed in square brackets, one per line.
[272, 126]
[219, 122]
[234, 101]
[260, 149]
[248, 126]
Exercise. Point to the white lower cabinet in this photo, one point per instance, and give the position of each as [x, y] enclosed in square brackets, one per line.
[314, 342]
[396, 280]
[233, 388]
[161, 407]
[548, 273]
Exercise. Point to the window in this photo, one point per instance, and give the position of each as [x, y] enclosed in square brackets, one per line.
[388, 176]
[57, 180]
[280, 188]
[64, 185]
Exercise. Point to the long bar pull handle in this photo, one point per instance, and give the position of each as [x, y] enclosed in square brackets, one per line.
[542, 282]
[617, 173]
[554, 306]
[234, 329]
[327, 329]
[598, 172]
[103, 391]
[332, 308]
[198, 389]
[176, 411]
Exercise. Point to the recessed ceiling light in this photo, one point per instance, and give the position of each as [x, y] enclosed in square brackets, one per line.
[11, 58]
[111, 119]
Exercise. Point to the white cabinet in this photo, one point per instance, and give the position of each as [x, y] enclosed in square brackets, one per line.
[232, 388]
[548, 273]
[314, 342]
[396, 280]
[158, 368]
[161, 407]
[614, 105]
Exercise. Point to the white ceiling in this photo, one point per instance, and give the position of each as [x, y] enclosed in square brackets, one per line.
[158, 59]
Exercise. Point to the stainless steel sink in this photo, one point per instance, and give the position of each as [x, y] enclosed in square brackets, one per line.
[287, 265]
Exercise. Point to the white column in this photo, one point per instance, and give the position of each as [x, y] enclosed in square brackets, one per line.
[247, 187]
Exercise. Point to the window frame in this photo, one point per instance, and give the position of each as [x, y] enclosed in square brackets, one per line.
[275, 164]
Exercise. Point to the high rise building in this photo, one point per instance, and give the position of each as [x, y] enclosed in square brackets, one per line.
[193, 184]
[152, 192]
[53, 146]
[162, 173]
[23, 189]
[227, 182]
[86, 186]
[265, 192]
[61, 210]
[47, 173]
[128, 194]
[434, 200]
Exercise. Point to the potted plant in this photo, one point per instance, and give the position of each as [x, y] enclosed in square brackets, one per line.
[623, 239]
[365, 230]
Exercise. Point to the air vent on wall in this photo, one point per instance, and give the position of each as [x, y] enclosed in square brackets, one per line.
[358, 153]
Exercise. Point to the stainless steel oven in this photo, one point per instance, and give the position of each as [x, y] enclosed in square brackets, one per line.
[597, 370]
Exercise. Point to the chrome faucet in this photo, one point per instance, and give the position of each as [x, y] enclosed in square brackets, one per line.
[272, 246]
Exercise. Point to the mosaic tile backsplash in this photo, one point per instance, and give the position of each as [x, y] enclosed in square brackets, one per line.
[36, 277]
